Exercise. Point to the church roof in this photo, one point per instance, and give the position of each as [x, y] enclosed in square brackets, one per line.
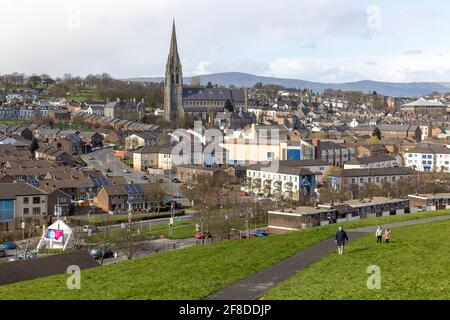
[221, 94]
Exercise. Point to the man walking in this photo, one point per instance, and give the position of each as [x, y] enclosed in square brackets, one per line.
[341, 237]
[379, 234]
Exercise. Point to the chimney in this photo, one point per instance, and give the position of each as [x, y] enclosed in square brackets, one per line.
[318, 150]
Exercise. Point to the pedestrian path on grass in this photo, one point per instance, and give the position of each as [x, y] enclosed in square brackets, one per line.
[257, 284]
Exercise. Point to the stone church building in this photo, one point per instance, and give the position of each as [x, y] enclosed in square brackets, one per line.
[180, 101]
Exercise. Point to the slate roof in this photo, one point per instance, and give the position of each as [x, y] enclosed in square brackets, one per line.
[220, 94]
[394, 171]
[12, 190]
[430, 150]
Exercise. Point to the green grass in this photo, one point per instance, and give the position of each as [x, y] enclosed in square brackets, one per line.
[128, 162]
[190, 273]
[415, 265]
[20, 123]
[103, 220]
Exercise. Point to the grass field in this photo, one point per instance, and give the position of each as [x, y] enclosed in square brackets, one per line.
[190, 273]
[85, 95]
[103, 220]
[415, 265]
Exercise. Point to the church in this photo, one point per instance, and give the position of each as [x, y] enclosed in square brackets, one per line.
[181, 101]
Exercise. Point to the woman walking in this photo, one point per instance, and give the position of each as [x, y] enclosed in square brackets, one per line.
[387, 235]
[379, 234]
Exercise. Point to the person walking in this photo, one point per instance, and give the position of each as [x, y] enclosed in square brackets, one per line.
[341, 237]
[387, 235]
[379, 234]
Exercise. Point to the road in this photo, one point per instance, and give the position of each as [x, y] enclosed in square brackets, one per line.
[104, 159]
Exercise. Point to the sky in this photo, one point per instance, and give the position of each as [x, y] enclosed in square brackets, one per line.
[316, 40]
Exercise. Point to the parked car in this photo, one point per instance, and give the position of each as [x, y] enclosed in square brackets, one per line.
[167, 203]
[243, 193]
[9, 245]
[91, 158]
[144, 178]
[97, 253]
[175, 180]
[28, 255]
[259, 234]
[3, 253]
[126, 170]
[108, 170]
[90, 227]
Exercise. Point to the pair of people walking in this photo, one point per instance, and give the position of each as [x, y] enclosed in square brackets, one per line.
[380, 234]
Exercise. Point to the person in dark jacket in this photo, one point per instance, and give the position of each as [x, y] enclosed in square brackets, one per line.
[340, 239]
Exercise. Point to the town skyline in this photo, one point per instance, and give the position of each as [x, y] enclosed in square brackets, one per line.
[360, 41]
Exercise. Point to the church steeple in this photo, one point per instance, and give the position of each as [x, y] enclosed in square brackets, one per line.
[173, 53]
[173, 84]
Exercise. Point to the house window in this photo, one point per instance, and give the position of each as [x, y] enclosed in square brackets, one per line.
[26, 211]
[26, 200]
[36, 200]
[36, 210]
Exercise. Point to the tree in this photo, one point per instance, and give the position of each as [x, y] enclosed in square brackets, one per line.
[158, 194]
[373, 140]
[209, 85]
[229, 106]
[376, 133]
[34, 145]
[258, 85]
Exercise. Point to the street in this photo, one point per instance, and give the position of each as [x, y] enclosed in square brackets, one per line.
[104, 160]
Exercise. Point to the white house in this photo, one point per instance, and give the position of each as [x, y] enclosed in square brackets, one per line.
[432, 158]
[353, 124]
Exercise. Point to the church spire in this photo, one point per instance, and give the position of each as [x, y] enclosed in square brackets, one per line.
[173, 53]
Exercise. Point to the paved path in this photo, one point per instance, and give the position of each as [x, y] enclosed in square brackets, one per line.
[254, 286]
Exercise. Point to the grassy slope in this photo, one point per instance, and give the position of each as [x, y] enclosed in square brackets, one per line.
[415, 265]
[190, 273]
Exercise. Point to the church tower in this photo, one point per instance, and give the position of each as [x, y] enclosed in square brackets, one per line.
[173, 83]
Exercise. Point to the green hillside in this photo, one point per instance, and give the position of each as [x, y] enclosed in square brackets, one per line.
[190, 273]
[414, 265]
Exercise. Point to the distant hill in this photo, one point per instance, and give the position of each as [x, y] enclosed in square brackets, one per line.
[238, 79]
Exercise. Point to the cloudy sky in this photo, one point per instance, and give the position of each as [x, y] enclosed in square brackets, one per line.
[316, 40]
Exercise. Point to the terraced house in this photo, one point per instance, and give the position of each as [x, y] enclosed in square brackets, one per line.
[432, 158]
[377, 176]
[21, 202]
[287, 180]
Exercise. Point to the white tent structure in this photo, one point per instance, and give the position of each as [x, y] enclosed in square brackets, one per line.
[57, 236]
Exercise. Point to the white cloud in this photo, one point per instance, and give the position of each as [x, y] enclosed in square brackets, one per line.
[131, 38]
[430, 65]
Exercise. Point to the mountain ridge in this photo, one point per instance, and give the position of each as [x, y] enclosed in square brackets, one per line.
[240, 79]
